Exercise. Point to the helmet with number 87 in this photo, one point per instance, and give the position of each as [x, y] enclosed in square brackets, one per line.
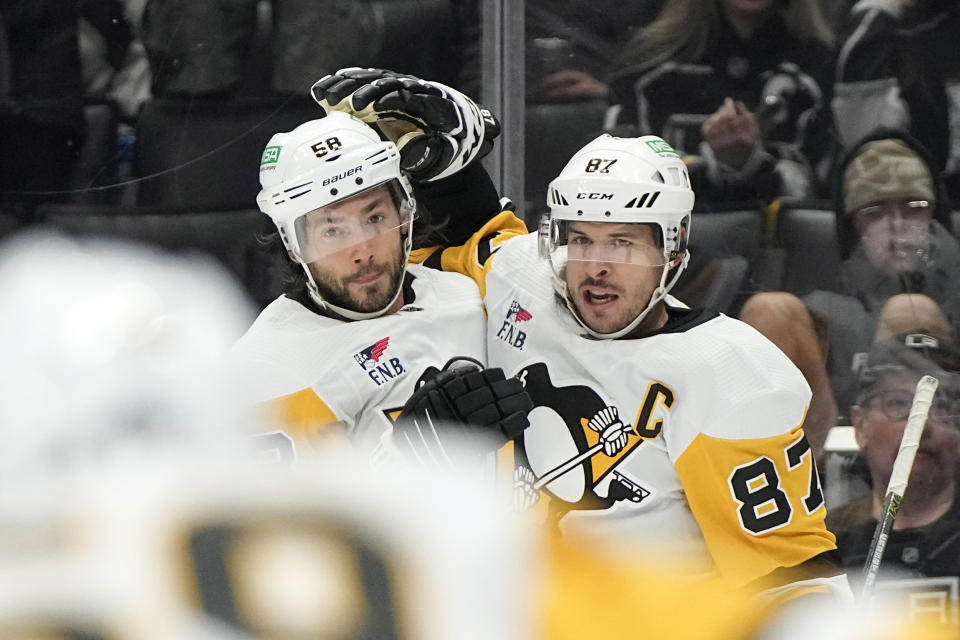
[314, 180]
[624, 181]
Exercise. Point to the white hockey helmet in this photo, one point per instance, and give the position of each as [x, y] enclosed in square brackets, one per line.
[321, 163]
[112, 348]
[621, 180]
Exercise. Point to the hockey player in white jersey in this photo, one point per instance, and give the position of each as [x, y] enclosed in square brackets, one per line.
[360, 330]
[675, 429]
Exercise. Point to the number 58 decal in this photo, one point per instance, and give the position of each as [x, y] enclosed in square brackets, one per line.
[756, 486]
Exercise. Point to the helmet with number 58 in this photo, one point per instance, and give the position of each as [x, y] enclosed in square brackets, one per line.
[344, 211]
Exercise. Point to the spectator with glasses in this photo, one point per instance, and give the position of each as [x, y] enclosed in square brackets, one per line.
[925, 541]
[898, 270]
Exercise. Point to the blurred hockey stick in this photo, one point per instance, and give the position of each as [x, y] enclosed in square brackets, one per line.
[922, 399]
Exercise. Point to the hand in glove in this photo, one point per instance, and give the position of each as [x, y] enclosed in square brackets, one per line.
[460, 404]
[437, 129]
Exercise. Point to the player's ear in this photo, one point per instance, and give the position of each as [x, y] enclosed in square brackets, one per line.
[406, 219]
[857, 420]
[293, 257]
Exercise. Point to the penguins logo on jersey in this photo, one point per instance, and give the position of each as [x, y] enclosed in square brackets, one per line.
[509, 332]
[575, 442]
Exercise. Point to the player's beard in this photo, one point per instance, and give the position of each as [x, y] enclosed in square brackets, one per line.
[373, 297]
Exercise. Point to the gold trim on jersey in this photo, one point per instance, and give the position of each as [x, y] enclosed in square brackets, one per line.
[473, 257]
[305, 417]
[757, 502]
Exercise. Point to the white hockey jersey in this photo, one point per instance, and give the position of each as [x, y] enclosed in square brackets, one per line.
[715, 465]
[316, 371]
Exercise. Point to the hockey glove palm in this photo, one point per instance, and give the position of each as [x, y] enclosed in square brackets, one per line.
[437, 129]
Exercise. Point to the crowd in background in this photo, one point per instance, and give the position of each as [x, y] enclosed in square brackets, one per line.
[855, 106]
[762, 103]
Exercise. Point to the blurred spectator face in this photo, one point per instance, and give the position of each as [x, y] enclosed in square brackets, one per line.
[895, 232]
[746, 7]
[611, 272]
[355, 251]
[880, 420]
[889, 193]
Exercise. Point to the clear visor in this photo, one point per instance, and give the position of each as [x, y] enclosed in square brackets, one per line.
[366, 217]
[624, 243]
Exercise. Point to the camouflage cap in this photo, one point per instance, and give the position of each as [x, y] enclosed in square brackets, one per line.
[882, 169]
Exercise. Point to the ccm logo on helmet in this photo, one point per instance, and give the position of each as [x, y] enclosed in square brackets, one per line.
[341, 176]
[594, 196]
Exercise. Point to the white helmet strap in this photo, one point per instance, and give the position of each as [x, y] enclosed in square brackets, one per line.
[343, 312]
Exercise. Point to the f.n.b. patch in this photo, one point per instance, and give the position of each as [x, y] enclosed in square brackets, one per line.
[380, 372]
[509, 331]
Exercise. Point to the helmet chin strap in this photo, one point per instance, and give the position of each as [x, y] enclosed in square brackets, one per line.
[658, 295]
[344, 312]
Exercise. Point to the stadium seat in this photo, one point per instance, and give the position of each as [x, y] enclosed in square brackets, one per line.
[97, 164]
[258, 67]
[727, 233]
[845, 474]
[231, 237]
[203, 154]
[723, 247]
[416, 37]
[419, 37]
[807, 233]
[553, 133]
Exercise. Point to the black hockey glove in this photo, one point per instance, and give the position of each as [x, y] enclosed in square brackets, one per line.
[437, 129]
[461, 407]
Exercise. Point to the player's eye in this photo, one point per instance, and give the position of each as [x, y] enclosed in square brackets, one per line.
[332, 233]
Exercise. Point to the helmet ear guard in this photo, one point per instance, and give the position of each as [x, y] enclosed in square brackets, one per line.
[680, 252]
[320, 164]
[624, 181]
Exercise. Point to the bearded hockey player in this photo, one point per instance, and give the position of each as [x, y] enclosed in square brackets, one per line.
[359, 330]
[675, 429]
